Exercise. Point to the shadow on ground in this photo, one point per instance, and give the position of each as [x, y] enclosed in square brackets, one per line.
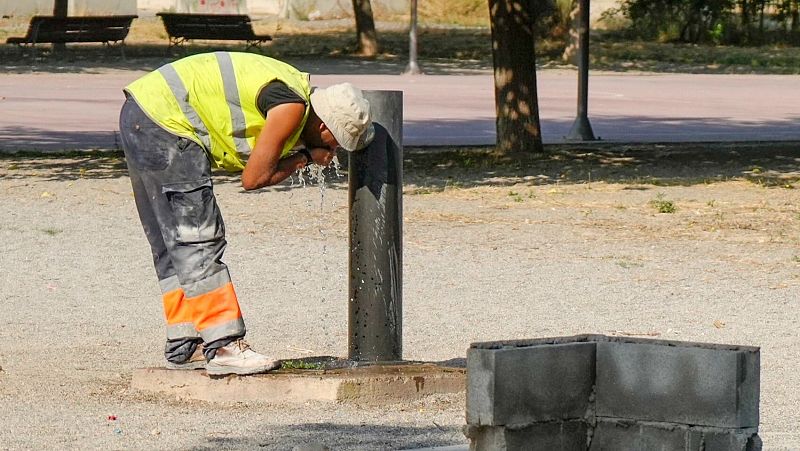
[341, 436]
[480, 129]
[15, 139]
[615, 130]
[148, 58]
[430, 169]
[776, 163]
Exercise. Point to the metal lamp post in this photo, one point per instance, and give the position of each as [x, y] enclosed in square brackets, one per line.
[581, 129]
[413, 67]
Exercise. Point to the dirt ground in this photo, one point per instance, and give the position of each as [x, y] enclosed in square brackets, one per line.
[694, 243]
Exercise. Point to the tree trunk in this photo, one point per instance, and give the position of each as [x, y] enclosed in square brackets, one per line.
[366, 36]
[795, 16]
[745, 11]
[516, 100]
[60, 9]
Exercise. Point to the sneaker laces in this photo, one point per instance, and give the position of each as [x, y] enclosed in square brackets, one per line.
[242, 345]
[245, 351]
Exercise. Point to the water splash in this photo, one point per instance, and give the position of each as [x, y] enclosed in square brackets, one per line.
[315, 173]
[301, 179]
[336, 166]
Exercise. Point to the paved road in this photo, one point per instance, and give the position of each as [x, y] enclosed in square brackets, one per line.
[56, 111]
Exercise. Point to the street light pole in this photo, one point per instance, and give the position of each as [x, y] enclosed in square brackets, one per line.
[581, 129]
[413, 67]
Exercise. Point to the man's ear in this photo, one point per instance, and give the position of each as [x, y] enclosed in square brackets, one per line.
[322, 127]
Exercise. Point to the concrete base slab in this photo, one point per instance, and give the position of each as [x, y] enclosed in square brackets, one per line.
[368, 384]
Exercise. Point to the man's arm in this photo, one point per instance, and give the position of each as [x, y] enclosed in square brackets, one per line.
[265, 166]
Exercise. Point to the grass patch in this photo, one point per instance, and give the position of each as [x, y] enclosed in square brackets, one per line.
[663, 205]
[623, 55]
[470, 13]
[301, 365]
[52, 231]
[515, 196]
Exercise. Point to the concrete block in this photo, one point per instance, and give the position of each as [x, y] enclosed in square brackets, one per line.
[526, 384]
[616, 435]
[552, 436]
[727, 440]
[676, 382]
[631, 435]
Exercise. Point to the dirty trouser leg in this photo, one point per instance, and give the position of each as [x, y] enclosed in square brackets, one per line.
[174, 174]
[182, 338]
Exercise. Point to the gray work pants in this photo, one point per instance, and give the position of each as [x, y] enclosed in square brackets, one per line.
[171, 179]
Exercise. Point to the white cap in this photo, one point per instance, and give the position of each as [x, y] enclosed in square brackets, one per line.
[345, 112]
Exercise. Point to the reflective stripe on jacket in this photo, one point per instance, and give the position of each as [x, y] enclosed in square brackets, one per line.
[211, 98]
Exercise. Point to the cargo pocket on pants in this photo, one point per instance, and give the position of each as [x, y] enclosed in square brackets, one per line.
[197, 216]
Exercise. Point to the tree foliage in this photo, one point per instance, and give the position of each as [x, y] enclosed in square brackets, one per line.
[713, 21]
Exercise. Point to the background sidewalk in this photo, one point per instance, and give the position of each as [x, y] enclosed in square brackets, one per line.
[71, 111]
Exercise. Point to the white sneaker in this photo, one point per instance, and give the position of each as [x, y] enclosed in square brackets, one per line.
[238, 358]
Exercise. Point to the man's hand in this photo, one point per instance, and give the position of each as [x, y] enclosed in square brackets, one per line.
[322, 156]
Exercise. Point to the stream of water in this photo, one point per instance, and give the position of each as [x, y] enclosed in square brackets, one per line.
[316, 174]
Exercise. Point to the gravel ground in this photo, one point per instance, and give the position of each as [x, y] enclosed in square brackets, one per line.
[489, 255]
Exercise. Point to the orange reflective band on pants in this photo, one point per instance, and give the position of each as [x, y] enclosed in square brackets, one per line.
[178, 313]
[176, 309]
[216, 314]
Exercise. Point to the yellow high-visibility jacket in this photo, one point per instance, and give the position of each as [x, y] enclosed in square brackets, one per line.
[211, 98]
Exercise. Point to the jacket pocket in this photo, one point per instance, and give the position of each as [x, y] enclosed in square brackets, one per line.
[194, 207]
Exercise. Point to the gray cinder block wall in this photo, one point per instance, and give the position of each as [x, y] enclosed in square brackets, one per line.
[594, 392]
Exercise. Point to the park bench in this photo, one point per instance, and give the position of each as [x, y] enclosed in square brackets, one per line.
[224, 27]
[108, 30]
